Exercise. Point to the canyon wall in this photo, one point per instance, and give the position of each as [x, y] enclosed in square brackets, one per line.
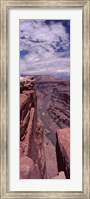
[54, 111]
[63, 150]
[56, 97]
[59, 107]
[44, 153]
[32, 155]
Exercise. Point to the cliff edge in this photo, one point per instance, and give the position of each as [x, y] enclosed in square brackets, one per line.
[32, 155]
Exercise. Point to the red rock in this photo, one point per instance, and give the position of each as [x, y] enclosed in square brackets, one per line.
[54, 99]
[32, 155]
[63, 150]
[28, 170]
[60, 175]
[24, 124]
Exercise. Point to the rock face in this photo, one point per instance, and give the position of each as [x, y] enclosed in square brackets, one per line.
[56, 97]
[53, 103]
[63, 150]
[32, 155]
[28, 168]
[44, 150]
[59, 108]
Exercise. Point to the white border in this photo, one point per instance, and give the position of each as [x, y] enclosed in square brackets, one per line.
[75, 183]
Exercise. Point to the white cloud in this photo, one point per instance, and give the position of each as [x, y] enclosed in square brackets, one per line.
[43, 43]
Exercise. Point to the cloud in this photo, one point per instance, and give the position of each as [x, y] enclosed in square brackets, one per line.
[44, 47]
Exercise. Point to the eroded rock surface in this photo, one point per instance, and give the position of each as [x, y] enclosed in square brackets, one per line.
[44, 150]
[28, 169]
[32, 156]
[63, 150]
[53, 99]
[56, 98]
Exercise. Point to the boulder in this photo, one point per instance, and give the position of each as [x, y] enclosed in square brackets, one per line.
[28, 169]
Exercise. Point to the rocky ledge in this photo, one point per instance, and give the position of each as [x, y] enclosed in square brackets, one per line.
[32, 155]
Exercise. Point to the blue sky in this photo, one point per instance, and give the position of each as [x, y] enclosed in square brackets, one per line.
[44, 47]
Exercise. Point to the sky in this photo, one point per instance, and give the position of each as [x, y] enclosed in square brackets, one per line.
[44, 47]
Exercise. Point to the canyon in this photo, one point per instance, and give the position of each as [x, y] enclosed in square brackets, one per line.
[44, 128]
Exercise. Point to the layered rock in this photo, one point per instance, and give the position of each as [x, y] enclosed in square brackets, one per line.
[59, 108]
[63, 150]
[53, 99]
[37, 134]
[32, 154]
[54, 96]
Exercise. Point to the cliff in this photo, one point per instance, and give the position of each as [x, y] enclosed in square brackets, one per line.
[63, 151]
[53, 103]
[32, 155]
[44, 154]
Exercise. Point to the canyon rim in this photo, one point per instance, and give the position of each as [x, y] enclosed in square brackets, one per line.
[44, 99]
